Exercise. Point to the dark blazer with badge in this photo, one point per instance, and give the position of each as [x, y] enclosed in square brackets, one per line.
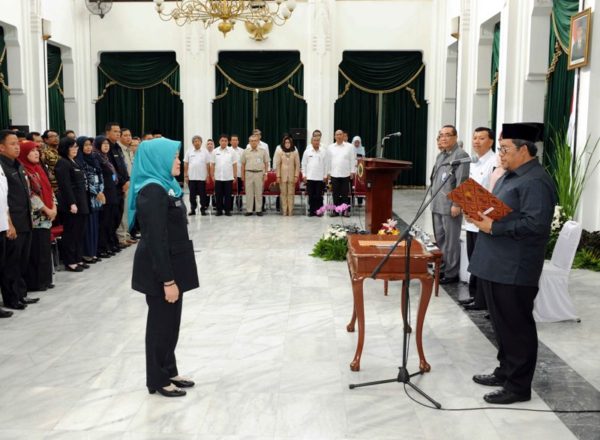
[165, 251]
[72, 186]
[19, 204]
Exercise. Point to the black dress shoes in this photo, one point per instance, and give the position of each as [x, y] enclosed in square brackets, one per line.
[183, 383]
[168, 393]
[488, 380]
[248, 214]
[473, 307]
[228, 213]
[259, 213]
[50, 286]
[505, 397]
[192, 213]
[17, 306]
[83, 265]
[5, 313]
[73, 269]
[450, 280]
[464, 302]
[29, 300]
[203, 212]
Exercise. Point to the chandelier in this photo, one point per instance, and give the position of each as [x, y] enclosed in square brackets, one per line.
[259, 16]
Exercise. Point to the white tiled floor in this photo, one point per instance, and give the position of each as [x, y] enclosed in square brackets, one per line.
[264, 337]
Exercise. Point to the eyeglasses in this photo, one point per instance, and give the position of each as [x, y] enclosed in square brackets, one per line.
[504, 150]
[446, 135]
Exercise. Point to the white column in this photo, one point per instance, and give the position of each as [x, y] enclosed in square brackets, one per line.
[466, 66]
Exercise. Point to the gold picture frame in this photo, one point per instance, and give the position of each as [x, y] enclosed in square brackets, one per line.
[579, 39]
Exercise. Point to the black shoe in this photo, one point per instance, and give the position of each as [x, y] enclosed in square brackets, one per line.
[464, 302]
[71, 269]
[228, 213]
[488, 380]
[260, 214]
[203, 212]
[505, 397]
[29, 300]
[17, 306]
[83, 265]
[248, 214]
[311, 214]
[486, 316]
[173, 393]
[50, 286]
[104, 255]
[183, 383]
[450, 280]
[219, 213]
[192, 213]
[5, 313]
[88, 260]
[116, 250]
[473, 307]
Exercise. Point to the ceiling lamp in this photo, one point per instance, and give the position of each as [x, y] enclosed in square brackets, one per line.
[259, 16]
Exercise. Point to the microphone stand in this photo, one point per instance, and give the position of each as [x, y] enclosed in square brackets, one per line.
[403, 374]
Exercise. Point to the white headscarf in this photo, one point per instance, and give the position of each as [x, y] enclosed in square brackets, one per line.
[360, 149]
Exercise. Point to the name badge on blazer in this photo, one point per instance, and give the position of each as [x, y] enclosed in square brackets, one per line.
[178, 203]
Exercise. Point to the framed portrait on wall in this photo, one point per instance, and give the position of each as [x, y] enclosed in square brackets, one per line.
[579, 39]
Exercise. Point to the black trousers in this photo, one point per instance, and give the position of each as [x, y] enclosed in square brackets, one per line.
[73, 237]
[162, 334]
[511, 313]
[16, 259]
[314, 189]
[474, 291]
[2, 251]
[195, 192]
[38, 275]
[340, 187]
[109, 222]
[223, 195]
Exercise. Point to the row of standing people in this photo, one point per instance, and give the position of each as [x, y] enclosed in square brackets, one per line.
[232, 167]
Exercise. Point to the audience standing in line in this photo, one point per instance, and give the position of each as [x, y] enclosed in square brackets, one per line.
[288, 173]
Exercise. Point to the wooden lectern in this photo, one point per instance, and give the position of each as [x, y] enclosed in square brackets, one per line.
[378, 176]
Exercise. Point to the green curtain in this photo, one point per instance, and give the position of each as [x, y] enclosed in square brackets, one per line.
[4, 90]
[140, 91]
[494, 77]
[398, 79]
[56, 96]
[259, 90]
[559, 80]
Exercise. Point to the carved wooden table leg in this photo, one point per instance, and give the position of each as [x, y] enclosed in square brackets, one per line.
[359, 312]
[426, 288]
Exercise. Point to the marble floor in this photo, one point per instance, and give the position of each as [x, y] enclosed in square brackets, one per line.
[264, 338]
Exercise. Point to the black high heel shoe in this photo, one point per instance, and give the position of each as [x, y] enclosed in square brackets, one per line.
[182, 383]
[168, 393]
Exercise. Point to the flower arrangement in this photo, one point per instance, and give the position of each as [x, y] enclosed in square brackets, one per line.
[389, 228]
[331, 208]
[558, 220]
[333, 246]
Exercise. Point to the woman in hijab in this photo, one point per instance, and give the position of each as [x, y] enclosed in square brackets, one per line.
[164, 265]
[287, 163]
[90, 163]
[108, 244]
[359, 150]
[43, 212]
[72, 204]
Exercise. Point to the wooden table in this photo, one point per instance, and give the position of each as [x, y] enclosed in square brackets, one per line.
[361, 262]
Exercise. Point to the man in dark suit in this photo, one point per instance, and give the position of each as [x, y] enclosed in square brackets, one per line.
[508, 261]
[3, 228]
[113, 134]
[12, 283]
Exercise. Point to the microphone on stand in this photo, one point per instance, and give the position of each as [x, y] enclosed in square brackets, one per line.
[458, 162]
[398, 133]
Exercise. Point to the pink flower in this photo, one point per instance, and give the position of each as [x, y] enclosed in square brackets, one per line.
[342, 208]
[321, 210]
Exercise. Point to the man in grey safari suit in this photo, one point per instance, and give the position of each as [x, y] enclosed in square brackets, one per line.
[447, 217]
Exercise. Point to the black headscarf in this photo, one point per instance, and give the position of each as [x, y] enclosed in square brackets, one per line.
[104, 159]
[90, 159]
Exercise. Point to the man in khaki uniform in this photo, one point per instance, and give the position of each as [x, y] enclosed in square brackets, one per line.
[255, 164]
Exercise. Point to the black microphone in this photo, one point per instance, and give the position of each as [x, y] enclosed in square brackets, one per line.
[457, 162]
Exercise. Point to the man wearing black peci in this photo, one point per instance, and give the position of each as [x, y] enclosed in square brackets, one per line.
[508, 261]
[117, 158]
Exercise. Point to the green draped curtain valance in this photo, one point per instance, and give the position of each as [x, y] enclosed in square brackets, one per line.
[141, 91]
[56, 96]
[259, 90]
[398, 80]
[559, 80]
[4, 89]
[494, 77]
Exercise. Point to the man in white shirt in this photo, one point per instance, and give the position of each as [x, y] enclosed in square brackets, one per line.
[480, 171]
[341, 167]
[196, 164]
[314, 172]
[3, 229]
[223, 170]
[235, 147]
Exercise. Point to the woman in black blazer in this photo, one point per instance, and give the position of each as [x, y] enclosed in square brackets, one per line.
[110, 219]
[164, 265]
[72, 205]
